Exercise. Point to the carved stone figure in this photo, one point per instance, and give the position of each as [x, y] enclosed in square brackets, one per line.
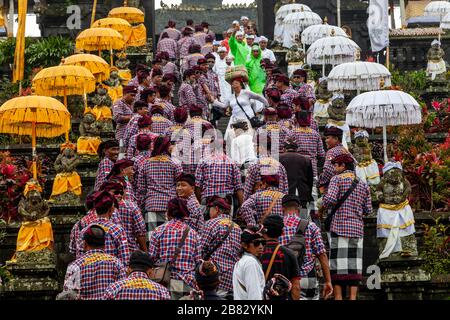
[89, 127]
[33, 207]
[323, 100]
[89, 140]
[295, 58]
[337, 116]
[101, 103]
[367, 168]
[67, 183]
[395, 221]
[437, 68]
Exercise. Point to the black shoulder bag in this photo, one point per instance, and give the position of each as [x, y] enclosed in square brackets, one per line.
[220, 243]
[255, 121]
[329, 218]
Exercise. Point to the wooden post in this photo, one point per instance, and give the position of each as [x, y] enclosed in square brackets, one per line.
[94, 11]
[10, 24]
[67, 107]
[388, 53]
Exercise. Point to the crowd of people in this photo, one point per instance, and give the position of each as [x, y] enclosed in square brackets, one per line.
[181, 212]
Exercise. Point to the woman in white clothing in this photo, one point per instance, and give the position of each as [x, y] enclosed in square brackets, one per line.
[242, 147]
[248, 275]
[243, 106]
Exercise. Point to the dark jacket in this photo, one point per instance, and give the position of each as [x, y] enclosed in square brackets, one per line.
[300, 174]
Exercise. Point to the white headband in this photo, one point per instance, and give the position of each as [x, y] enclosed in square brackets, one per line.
[392, 165]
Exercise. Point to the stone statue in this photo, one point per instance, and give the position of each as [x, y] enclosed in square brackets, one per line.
[123, 64]
[101, 103]
[33, 207]
[89, 140]
[67, 184]
[437, 68]
[323, 100]
[395, 220]
[310, 74]
[295, 58]
[367, 168]
[114, 85]
[337, 116]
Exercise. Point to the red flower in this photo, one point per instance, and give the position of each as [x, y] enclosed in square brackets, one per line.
[420, 170]
[436, 122]
[436, 105]
[8, 170]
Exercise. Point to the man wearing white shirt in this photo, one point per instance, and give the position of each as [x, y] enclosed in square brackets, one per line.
[266, 53]
[220, 68]
[248, 276]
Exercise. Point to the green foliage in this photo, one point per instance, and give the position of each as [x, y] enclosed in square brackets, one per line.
[47, 52]
[8, 90]
[413, 82]
[436, 251]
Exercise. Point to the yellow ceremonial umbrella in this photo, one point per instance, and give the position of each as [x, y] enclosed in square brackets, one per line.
[131, 14]
[64, 81]
[2, 21]
[95, 64]
[35, 116]
[94, 39]
[120, 25]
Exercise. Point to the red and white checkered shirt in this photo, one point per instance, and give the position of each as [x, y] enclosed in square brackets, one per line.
[132, 145]
[309, 144]
[206, 49]
[288, 96]
[169, 108]
[168, 45]
[121, 109]
[186, 95]
[213, 83]
[160, 124]
[171, 67]
[328, 169]
[183, 46]
[254, 207]
[156, 184]
[173, 33]
[181, 137]
[92, 273]
[200, 37]
[139, 161]
[104, 168]
[201, 95]
[265, 166]
[196, 218]
[131, 129]
[191, 61]
[227, 255]
[137, 286]
[132, 221]
[306, 91]
[348, 220]
[116, 243]
[218, 175]
[163, 244]
[313, 241]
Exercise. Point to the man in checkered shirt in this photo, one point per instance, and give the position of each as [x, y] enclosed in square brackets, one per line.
[221, 244]
[159, 122]
[165, 100]
[186, 191]
[132, 128]
[201, 88]
[185, 43]
[95, 270]
[266, 201]
[272, 129]
[211, 76]
[131, 218]
[145, 127]
[171, 30]
[347, 226]
[287, 93]
[166, 44]
[186, 93]
[308, 140]
[108, 151]
[144, 147]
[166, 239]
[137, 285]
[300, 84]
[217, 174]
[265, 165]
[116, 243]
[314, 246]
[123, 110]
[156, 183]
[333, 140]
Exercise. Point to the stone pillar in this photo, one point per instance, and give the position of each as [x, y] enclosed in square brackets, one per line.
[150, 21]
[266, 17]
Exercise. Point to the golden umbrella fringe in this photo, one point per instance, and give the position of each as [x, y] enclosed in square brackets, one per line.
[131, 14]
[95, 64]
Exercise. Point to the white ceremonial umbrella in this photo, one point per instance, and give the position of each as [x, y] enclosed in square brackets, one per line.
[296, 22]
[282, 13]
[437, 8]
[359, 76]
[332, 50]
[319, 31]
[382, 109]
[445, 23]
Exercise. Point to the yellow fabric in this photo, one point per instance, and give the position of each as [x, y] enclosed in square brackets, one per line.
[131, 14]
[404, 226]
[138, 36]
[95, 64]
[19, 54]
[115, 93]
[394, 207]
[66, 182]
[100, 113]
[95, 39]
[125, 75]
[88, 145]
[336, 123]
[35, 235]
[30, 186]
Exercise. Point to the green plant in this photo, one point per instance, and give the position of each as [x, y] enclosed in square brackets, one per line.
[48, 52]
[436, 252]
[413, 82]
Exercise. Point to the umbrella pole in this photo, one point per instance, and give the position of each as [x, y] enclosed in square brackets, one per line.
[304, 52]
[386, 160]
[65, 103]
[33, 147]
[112, 57]
[323, 69]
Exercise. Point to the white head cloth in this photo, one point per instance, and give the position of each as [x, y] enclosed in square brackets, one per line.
[392, 165]
[362, 134]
